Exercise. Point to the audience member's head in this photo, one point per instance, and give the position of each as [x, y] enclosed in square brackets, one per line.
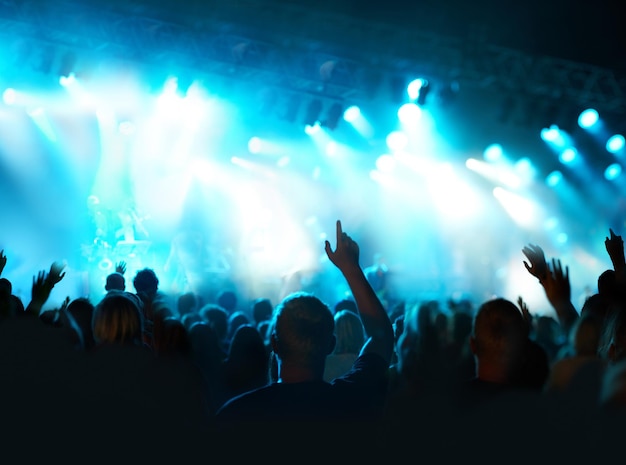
[585, 336]
[235, 320]
[146, 283]
[186, 303]
[115, 282]
[498, 341]
[303, 333]
[171, 338]
[227, 300]
[217, 317]
[346, 304]
[117, 319]
[262, 310]
[82, 310]
[349, 333]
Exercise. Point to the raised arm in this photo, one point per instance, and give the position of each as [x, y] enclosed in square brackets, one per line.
[558, 291]
[373, 315]
[42, 287]
[3, 261]
[615, 248]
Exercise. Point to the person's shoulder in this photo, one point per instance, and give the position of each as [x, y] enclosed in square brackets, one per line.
[247, 402]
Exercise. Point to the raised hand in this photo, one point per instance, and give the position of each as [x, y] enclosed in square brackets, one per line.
[56, 273]
[346, 253]
[615, 248]
[559, 292]
[120, 267]
[525, 312]
[3, 260]
[538, 266]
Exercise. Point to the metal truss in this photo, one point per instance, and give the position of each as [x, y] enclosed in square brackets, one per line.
[301, 50]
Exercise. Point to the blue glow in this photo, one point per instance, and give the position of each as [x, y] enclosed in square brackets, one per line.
[612, 172]
[551, 223]
[282, 162]
[562, 238]
[331, 148]
[352, 114]
[409, 113]
[615, 143]
[588, 118]
[9, 96]
[554, 178]
[553, 135]
[568, 156]
[413, 89]
[493, 153]
[397, 140]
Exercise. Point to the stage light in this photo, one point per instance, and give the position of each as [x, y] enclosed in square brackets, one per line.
[126, 128]
[615, 143]
[254, 145]
[9, 96]
[385, 163]
[588, 118]
[67, 81]
[413, 89]
[352, 114]
[397, 140]
[409, 113]
[311, 129]
[553, 135]
[612, 172]
[493, 153]
[568, 156]
[554, 178]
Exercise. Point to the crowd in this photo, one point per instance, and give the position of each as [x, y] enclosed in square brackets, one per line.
[145, 375]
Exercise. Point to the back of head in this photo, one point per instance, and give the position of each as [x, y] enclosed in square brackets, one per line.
[247, 348]
[346, 304]
[585, 335]
[303, 329]
[262, 310]
[115, 281]
[82, 311]
[607, 284]
[186, 303]
[349, 332]
[146, 282]
[117, 319]
[227, 300]
[499, 332]
[172, 338]
[217, 317]
[235, 320]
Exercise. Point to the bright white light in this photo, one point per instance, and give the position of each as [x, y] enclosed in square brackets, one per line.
[493, 153]
[255, 145]
[352, 114]
[9, 96]
[126, 127]
[588, 118]
[522, 210]
[413, 89]
[397, 140]
[282, 162]
[568, 156]
[524, 167]
[612, 172]
[67, 81]
[615, 143]
[311, 130]
[551, 223]
[409, 113]
[331, 148]
[554, 178]
[385, 163]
